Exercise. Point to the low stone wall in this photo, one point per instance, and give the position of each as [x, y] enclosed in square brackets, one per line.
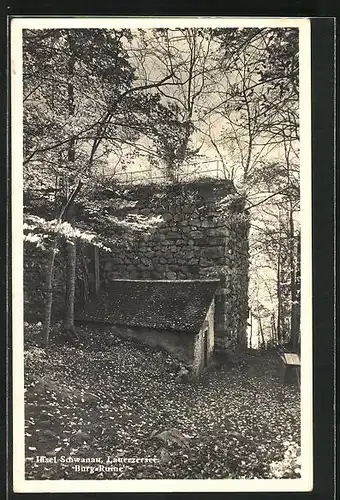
[180, 345]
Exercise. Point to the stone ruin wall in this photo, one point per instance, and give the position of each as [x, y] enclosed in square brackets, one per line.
[194, 241]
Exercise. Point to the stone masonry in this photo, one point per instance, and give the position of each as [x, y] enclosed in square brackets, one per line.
[203, 234]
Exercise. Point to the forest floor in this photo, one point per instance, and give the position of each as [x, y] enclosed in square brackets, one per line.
[92, 410]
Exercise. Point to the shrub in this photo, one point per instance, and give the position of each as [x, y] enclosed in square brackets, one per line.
[35, 359]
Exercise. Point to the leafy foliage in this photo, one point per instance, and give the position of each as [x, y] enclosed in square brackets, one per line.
[81, 91]
[95, 64]
[43, 232]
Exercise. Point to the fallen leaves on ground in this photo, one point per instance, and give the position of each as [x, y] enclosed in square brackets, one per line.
[110, 398]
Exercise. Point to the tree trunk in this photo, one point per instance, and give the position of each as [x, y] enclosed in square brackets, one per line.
[278, 285]
[96, 270]
[251, 331]
[50, 271]
[70, 285]
[71, 258]
[71, 154]
[298, 287]
[296, 300]
[261, 332]
[274, 333]
[49, 295]
[71, 249]
[85, 275]
[293, 316]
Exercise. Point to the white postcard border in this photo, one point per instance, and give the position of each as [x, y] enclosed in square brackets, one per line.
[305, 483]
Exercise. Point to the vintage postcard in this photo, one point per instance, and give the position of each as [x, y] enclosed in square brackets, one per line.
[161, 215]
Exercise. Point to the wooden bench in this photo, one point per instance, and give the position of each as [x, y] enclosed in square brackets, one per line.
[290, 368]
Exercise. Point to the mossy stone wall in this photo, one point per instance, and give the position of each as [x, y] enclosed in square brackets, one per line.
[203, 234]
